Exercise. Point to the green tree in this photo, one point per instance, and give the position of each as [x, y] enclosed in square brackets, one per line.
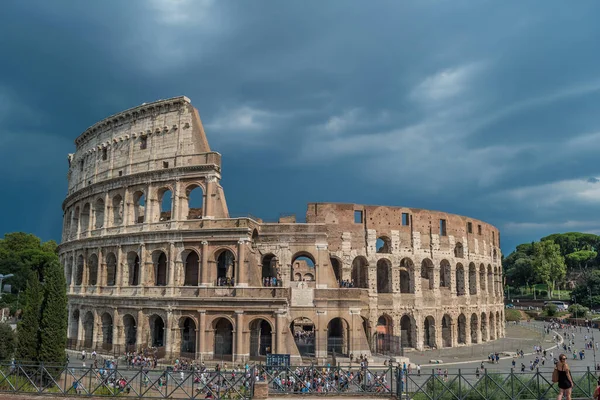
[518, 267]
[8, 341]
[53, 335]
[548, 263]
[28, 330]
[581, 259]
[589, 287]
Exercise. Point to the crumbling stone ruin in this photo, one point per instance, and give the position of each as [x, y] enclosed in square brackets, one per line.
[153, 259]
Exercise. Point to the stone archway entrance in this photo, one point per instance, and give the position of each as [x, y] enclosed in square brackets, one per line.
[462, 329]
[260, 338]
[429, 332]
[338, 337]
[188, 338]
[303, 330]
[474, 328]
[223, 346]
[130, 332]
[446, 331]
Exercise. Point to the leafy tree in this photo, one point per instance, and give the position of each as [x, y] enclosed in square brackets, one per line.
[578, 311]
[28, 330]
[53, 336]
[548, 263]
[572, 242]
[8, 341]
[551, 309]
[581, 259]
[518, 267]
[589, 286]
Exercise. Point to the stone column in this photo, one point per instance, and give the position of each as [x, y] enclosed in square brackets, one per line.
[201, 338]
[85, 272]
[116, 340]
[73, 271]
[239, 354]
[175, 204]
[119, 269]
[322, 259]
[204, 265]
[101, 277]
[454, 330]
[70, 321]
[321, 335]
[468, 329]
[142, 276]
[140, 326]
[168, 335]
[280, 323]
[80, 333]
[171, 264]
[106, 213]
[126, 207]
[208, 202]
[241, 274]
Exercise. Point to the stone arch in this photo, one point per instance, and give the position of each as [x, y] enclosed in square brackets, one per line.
[445, 272]
[223, 344]
[191, 268]
[408, 331]
[193, 207]
[336, 264]
[303, 330]
[225, 259]
[68, 267]
[482, 278]
[498, 325]
[462, 329]
[261, 337]
[107, 329]
[111, 269]
[484, 327]
[99, 214]
[269, 269]
[93, 270]
[490, 280]
[460, 280]
[385, 325]
[157, 331]
[308, 277]
[360, 272]
[472, 279]
[75, 222]
[165, 200]
[383, 245]
[74, 326]
[79, 271]
[133, 268]
[88, 330]
[384, 276]
[496, 282]
[139, 207]
[474, 328]
[459, 251]
[494, 255]
[384, 335]
[187, 346]
[446, 331]
[407, 273]
[118, 207]
[85, 217]
[492, 326]
[130, 331]
[429, 332]
[427, 278]
[160, 263]
[338, 336]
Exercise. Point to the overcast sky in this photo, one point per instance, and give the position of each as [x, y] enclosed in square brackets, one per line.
[485, 108]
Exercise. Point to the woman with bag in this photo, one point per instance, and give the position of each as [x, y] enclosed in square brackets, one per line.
[562, 376]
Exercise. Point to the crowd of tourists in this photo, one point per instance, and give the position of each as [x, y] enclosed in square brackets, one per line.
[271, 281]
[225, 281]
[346, 283]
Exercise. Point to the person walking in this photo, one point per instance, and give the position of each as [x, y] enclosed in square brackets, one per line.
[562, 376]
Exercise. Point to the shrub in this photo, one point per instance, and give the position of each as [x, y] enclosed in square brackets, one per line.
[550, 309]
[512, 315]
[578, 311]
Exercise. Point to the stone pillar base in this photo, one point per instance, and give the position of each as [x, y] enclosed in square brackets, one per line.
[261, 390]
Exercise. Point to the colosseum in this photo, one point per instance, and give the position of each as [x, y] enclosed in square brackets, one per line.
[152, 258]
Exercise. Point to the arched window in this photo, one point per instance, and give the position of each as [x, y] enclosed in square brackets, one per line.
[111, 269]
[79, 271]
[407, 272]
[117, 209]
[225, 268]
[459, 252]
[269, 270]
[384, 272]
[303, 264]
[360, 273]
[99, 213]
[161, 270]
[165, 198]
[75, 222]
[139, 207]
[85, 218]
[460, 280]
[191, 269]
[93, 270]
[133, 262]
[472, 279]
[384, 245]
[427, 274]
[337, 268]
[195, 201]
[445, 272]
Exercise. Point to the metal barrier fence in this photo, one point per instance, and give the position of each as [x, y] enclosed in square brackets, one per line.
[137, 383]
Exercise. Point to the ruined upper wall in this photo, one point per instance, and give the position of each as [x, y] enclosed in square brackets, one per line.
[154, 136]
[412, 228]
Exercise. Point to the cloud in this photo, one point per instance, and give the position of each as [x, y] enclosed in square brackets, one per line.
[177, 12]
[446, 84]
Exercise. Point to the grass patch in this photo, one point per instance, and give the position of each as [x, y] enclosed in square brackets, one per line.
[513, 315]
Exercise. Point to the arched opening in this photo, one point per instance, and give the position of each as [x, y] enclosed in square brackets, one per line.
[133, 263]
[88, 330]
[429, 332]
[269, 271]
[446, 331]
[498, 325]
[445, 273]
[384, 273]
[407, 331]
[74, 327]
[482, 278]
[484, 331]
[111, 269]
[85, 218]
[160, 270]
[79, 271]
[303, 330]
[474, 328]
[192, 263]
[117, 210]
[462, 329]
[166, 203]
[187, 347]
[93, 270]
[472, 279]
[68, 267]
[75, 222]
[308, 277]
[139, 207]
[427, 279]
[337, 268]
[383, 245]
[494, 255]
[490, 280]
[99, 213]
[460, 280]
[385, 342]
[195, 200]
[130, 329]
[225, 268]
[496, 281]
[157, 331]
[223, 339]
[303, 264]
[407, 270]
[297, 277]
[338, 337]
[261, 335]
[360, 273]
[492, 327]
[107, 331]
[459, 251]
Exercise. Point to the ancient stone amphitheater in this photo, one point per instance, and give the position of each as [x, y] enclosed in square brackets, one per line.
[153, 259]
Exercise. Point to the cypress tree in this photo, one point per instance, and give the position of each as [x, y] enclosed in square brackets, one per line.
[28, 332]
[53, 334]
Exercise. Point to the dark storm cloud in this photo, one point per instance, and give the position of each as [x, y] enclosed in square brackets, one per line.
[481, 108]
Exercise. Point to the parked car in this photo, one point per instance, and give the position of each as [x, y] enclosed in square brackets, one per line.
[510, 305]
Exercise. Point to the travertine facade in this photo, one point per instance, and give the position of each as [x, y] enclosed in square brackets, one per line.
[152, 258]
